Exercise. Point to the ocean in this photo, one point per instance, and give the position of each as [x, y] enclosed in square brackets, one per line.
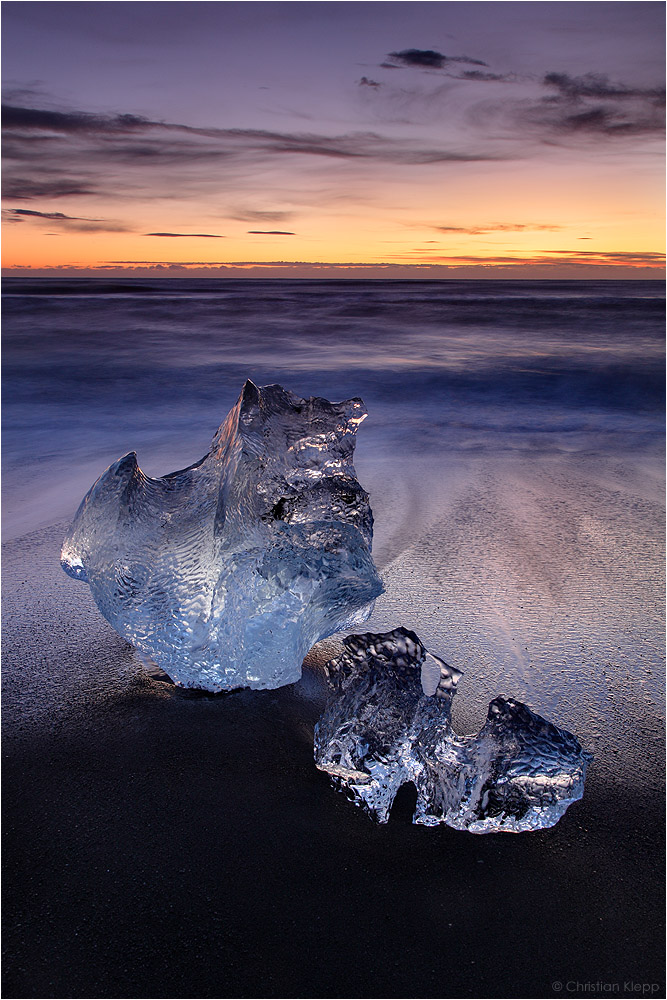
[514, 456]
[449, 370]
[513, 449]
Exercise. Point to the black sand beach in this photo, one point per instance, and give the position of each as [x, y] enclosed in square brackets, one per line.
[164, 843]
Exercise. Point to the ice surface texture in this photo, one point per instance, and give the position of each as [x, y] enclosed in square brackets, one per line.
[227, 572]
[390, 724]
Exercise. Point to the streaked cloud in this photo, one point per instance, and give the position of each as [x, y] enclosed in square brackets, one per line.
[201, 236]
[555, 258]
[506, 227]
[155, 140]
[598, 86]
[564, 105]
[43, 187]
[44, 119]
[259, 215]
[574, 109]
[133, 157]
[18, 214]
[427, 59]
[481, 77]
[597, 106]
[70, 222]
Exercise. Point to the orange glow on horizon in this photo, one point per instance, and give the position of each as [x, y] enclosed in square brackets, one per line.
[490, 218]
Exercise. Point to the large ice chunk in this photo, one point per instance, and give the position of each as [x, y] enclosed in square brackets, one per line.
[389, 725]
[227, 572]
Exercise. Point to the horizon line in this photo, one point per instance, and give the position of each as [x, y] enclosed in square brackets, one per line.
[352, 273]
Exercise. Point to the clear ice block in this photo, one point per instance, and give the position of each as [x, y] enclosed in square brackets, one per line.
[389, 724]
[227, 572]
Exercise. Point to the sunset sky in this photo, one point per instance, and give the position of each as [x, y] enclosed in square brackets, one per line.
[334, 139]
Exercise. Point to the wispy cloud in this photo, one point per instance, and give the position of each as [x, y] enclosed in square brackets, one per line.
[584, 258]
[504, 227]
[70, 222]
[596, 106]
[269, 232]
[413, 98]
[481, 77]
[599, 86]
[44, 119]
[201, 236]
[156, 140]
[255, 215]
[18, 214]
[148, 158]
[575, 109]
[22, 189]
[427, 59]
[564, 107]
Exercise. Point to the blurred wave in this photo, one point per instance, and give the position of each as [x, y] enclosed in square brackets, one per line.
[95, 368]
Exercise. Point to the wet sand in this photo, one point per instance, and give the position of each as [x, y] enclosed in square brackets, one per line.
[165, 843]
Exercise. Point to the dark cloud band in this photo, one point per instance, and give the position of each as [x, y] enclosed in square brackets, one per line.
[73, 223]
[429, 59]
[201, 236]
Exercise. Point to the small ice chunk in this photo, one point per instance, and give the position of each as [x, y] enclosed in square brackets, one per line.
[390, 724]
[227, 572]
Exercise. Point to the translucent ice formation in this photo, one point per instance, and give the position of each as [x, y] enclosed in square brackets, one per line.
[390, 725]
[227, 572]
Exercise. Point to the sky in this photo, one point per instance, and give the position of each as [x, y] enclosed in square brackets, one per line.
[403, 139]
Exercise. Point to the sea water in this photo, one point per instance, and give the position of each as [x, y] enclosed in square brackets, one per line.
[513, 453]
